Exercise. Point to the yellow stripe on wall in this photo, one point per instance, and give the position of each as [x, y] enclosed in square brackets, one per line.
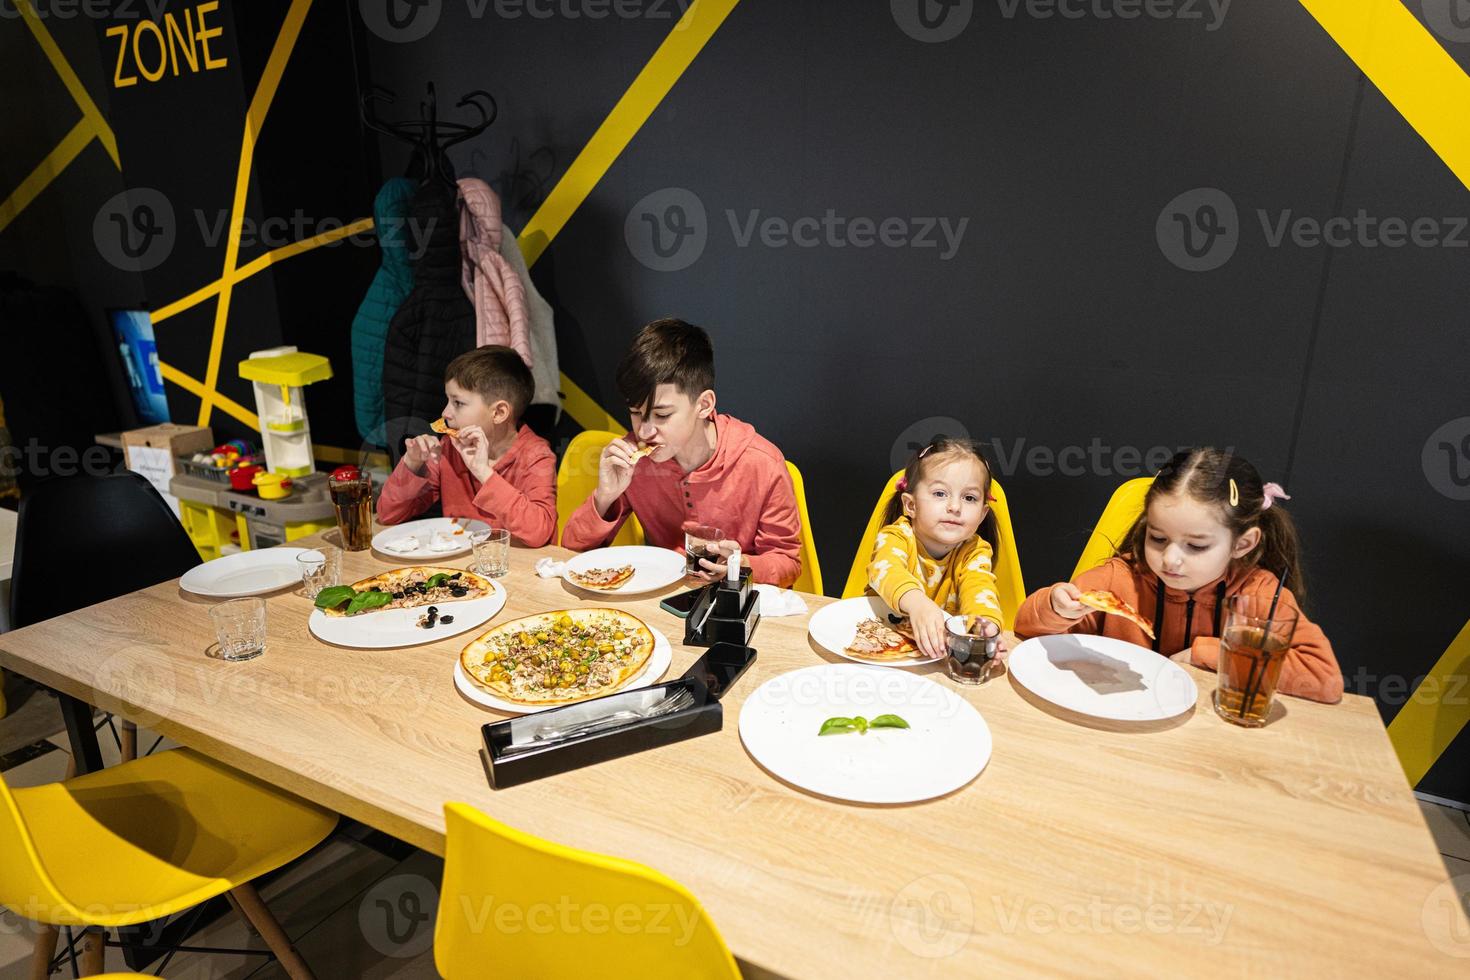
[1410, 68]
[1436, 712]
[675, 54]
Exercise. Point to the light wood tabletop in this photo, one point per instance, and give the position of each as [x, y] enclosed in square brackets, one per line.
[1294, 850]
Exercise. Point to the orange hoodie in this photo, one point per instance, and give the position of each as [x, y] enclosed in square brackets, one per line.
[1310, 670]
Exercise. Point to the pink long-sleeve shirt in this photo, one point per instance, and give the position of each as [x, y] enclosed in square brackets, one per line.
[743, 489]
[520, 494]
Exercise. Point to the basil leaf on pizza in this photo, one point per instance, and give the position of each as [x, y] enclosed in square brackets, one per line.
[334, 595]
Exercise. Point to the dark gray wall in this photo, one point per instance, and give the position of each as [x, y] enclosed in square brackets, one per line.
[1058, 325]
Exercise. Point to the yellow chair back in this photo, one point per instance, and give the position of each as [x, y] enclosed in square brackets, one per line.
[810, 579]
[524, 906]
[576, 478]
[24, 882]
[1009, 585]
[1113, 526]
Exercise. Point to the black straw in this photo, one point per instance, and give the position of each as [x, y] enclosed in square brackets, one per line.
[1254, 680]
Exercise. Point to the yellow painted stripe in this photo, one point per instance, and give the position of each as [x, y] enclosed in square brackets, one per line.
[1436, 712]
[673, 56]
[99, 126]
[260, 104]
[582, 407]
[258, 265]
[46, 171]
[689, 35]
[296, 248]
[227, 405]
[188, 302]
[1410, 68]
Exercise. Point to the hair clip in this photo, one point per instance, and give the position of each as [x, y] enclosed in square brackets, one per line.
[926, 450]
[903, 484]
[1272, 492]
[1234, 494]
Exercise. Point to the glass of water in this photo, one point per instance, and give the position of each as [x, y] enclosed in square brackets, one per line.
[321, 568]
[492, 552]
[239, 626]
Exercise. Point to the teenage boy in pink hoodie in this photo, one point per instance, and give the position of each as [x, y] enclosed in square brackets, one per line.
[705, 468]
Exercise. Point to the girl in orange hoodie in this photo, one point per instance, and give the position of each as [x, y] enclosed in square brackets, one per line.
[1210, 529]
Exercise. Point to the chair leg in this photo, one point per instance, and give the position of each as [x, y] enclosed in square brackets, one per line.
[128, 750]
[247, 900]
[45, 949]
[94, 945]
[71, 766]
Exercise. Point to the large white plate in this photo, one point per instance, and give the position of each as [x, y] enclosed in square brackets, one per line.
[246, 573]
[655, 568]
[833, 627]
[395, 627]
[652, 673]
[424, 531]
[1103, 677]
[946, 745]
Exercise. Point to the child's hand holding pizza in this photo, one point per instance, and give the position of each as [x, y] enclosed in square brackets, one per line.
[926, 619]
[1066, 601]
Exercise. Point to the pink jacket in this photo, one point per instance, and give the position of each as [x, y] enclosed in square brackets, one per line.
[743, 489]
[520, 494]
[499, 296]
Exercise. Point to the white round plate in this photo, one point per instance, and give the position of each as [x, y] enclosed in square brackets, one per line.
[247, 573]
[834, 625]
[1103, 677]
[655, 568]
[946, 745]
[424, 530]
[395, 627]
[652, 673]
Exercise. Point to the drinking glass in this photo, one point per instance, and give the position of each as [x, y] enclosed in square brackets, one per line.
[492, 552]
[1253, 647]
[239, 626]
[320, 568]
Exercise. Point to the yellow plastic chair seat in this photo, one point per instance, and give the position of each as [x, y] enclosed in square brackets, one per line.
[146, 839]
[578, 914]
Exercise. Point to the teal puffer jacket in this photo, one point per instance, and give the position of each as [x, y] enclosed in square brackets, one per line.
[390, 287]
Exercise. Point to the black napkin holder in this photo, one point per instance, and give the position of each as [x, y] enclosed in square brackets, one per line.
[707, 680]
[725, 612]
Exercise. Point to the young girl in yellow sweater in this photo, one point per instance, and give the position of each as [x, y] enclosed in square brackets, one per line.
[931, 560]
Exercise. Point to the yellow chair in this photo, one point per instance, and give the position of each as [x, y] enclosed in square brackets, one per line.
[576, 913]
[1113, 526]
[810, 579]
[146, 839]
[1009, 586]
[576, 478]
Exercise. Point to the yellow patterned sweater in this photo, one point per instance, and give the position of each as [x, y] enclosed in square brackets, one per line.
[961, 582]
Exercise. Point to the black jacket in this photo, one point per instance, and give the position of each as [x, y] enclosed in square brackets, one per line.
[435, 324]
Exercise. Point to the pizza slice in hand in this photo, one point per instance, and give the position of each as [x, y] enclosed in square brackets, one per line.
[1109, 603]
[442, 427]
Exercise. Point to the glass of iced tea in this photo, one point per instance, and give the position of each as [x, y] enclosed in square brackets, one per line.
[697, 539]
[1252, 649]
[352, 495]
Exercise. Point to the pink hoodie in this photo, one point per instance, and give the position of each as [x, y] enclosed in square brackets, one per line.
[743, 489]
[489, 281]
[520, 494]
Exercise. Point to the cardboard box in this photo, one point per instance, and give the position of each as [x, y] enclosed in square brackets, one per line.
[150, 452]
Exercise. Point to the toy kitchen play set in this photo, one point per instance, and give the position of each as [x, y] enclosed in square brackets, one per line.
[236, 499]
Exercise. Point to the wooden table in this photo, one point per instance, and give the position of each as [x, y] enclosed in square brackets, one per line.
[1293, 850]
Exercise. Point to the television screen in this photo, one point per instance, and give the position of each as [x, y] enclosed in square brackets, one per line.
[139, 353]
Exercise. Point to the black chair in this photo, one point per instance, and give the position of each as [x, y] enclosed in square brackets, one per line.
[115, 530]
